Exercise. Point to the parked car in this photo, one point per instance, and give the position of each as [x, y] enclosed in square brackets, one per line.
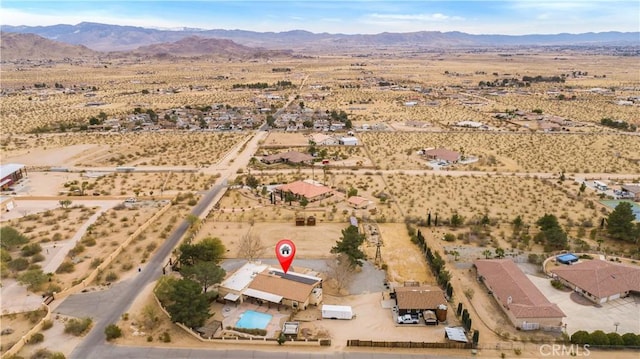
[407, 319]
[130, 200]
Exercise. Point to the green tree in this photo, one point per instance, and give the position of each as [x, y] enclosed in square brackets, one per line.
[252, 181]
[615, 339]
[487, 253]
[349, 245]
[210, 249]
[581, 337]
[271, 120]
[620, 223]
[188, 304]
[204, 272]
[599, 337]
[65, 203]
[10, 237]
[631, 340]
[499, 252]
[304, 202]
[456, 220]
[352, 192]
[33, 279]
[551, 234]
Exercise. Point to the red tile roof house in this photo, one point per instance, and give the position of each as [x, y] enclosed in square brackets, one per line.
[311, 190]
[358, 202]
[442, 154]
[600, 281]
[526, 307]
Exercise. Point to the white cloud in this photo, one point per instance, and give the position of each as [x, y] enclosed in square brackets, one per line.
[414, 17]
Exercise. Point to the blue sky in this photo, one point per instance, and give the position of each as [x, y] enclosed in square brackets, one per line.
[366, 17]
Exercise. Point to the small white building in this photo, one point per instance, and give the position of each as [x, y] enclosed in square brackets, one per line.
[348, 141]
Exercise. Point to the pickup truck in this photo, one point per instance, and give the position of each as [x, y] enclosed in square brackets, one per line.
[407, 319]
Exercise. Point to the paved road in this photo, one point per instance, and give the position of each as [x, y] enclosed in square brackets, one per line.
[116, 352]
[117, 300]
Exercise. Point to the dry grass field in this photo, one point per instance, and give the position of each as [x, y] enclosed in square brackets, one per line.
[188, 149]
[533, 153]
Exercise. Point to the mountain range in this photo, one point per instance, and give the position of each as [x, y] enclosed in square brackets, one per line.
[104, 37]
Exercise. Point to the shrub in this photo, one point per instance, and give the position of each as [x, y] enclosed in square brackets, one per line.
[18, 264]
[449, 237]
[77, 326]
[38, 257]
[598, 337]
[557, 284]
[45, 354]
[30, 249]
[581, 337]
[252, 331]
[66, 267]
[631, 340]
[5, 256]
[165, 337]
[111, 276]
[11, 237]
[36, 338]
[112, 332]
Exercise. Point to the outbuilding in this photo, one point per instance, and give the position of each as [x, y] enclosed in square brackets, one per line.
[348, 141]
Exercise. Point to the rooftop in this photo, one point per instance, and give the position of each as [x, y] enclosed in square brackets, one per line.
[601, 278]
[306, 189]
[282, 286]
[9, 168]
[243, 276]
[514, 290]
[425, 297]
[443, 154]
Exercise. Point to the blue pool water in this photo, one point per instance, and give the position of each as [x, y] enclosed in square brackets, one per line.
[635, 208]
[253, 320]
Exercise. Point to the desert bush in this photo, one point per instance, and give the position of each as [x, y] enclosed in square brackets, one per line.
[47, 324]
[557, 284]
[252, 331]
[18, 264]
[38, 257]
[46, 354]
[36, 338]
[30, 249]
[111, 276]
[165, 337]
[11, 237]
[112, 332]
[66, 267]
[77, 327]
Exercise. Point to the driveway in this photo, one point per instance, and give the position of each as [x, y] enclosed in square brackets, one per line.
[583, 315]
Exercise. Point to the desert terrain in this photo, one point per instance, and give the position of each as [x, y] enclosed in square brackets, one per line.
[153, 176]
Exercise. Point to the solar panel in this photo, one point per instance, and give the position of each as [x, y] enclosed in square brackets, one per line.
[295, 278]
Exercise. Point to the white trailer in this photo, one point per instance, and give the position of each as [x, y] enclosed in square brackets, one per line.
[337, 312]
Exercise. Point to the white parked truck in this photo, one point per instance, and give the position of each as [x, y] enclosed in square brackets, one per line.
[336, 312]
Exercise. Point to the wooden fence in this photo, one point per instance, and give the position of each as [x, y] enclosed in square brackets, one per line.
[426, 345]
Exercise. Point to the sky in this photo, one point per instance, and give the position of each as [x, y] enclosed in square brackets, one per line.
[510, 17]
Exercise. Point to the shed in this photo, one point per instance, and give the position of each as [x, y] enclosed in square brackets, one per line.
[567, 258]
[348, 141]
[311, 221]
[290, 328]
[299, 221]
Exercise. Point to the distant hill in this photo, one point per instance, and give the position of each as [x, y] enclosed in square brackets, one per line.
[199, 46]
[103, 37]
[30, 46]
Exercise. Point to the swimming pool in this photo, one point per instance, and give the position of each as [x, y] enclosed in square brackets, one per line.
[253, 320]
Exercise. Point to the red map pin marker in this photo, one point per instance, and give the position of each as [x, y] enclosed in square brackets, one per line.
[285, 250]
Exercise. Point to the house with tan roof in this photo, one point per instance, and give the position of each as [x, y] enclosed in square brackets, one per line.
[358, 202]
[256, 282]
[599, 280]
[523, 303]
[311, 190]
[443, 154]
[320, 139]
[414, 300]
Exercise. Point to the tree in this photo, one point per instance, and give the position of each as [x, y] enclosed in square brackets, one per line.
[350, 245]
[615, 339]
[271, 120]
[582, 187]
[352, 192]
[304, 202]
[10, 237]
[487, 253]
[33, 279]
[252, 181]
[631, 340]
[517, 223]
[499, 252]
[208, 250]
[551, 234]
[456, 220]
[581, 337]
[476, 338]
[188, 305]
[206, 273]
[250, 247]
[65, 203]
[620, 223]
[340, 271]
[289, 197]
[598, 337]
[112, 331]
